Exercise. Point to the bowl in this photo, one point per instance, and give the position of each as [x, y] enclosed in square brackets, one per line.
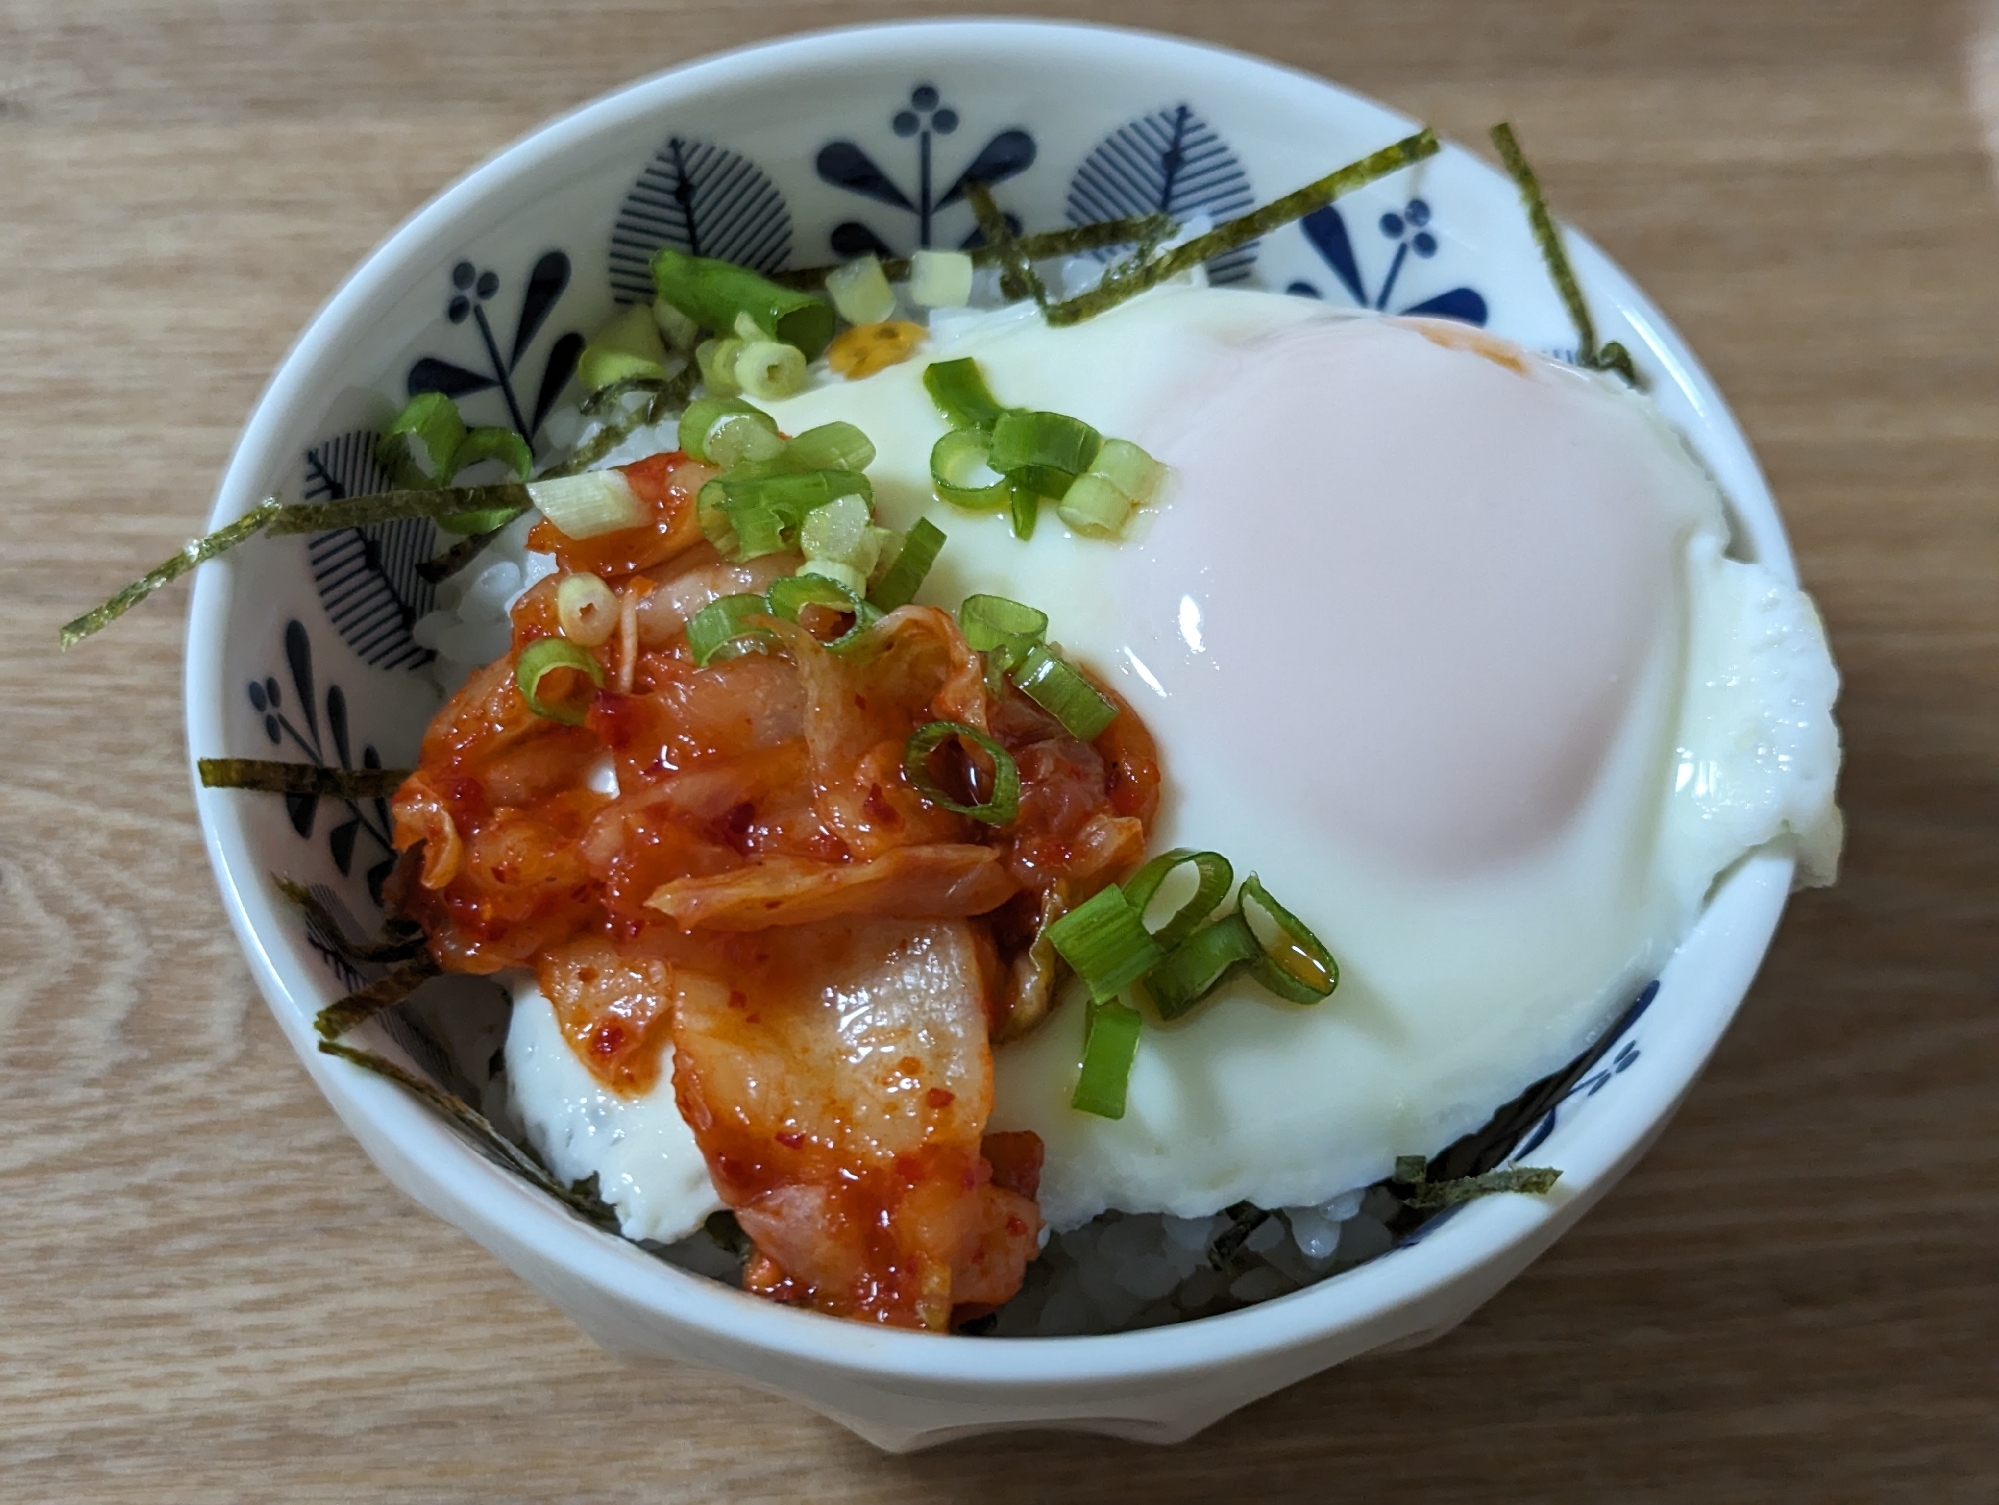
[796, 152]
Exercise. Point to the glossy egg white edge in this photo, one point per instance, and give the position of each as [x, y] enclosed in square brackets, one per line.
[1168, 1381]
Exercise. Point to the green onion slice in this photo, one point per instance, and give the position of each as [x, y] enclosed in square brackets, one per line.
[722, 628]
[1291, 962]
[960, 392]
[1213, 879]
[767, 511]
[543, 657]
[1025, 508]
[1105, 940]
[1058, 689]
[1043, 451]
[960, 463]
[713, 293]
[1004, 803]
[704, 413]
[1196, 966]
[431, 420]
[792, 594]
[994, 624]
[1094, 507]
[1109, 1049]
[830, 446]
[919, 551]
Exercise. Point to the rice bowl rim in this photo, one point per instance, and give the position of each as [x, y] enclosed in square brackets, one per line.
[413, 1145]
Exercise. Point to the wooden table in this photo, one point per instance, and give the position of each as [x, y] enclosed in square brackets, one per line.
[207, 1293]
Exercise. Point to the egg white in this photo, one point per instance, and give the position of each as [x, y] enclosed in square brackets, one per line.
[1340, 690]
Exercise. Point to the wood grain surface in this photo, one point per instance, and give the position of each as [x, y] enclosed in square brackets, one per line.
[206, 1293]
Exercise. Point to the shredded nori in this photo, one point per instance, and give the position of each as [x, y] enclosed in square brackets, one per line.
[274, 776]
[1244, 1219]
[1548, 236]
[363, 1004]
[1130, 278]
[1530, 1180]
[196, 551]
[399, 940]
[1018, 278]
[475, 1123]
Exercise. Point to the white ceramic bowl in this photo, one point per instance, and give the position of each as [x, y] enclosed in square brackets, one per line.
[787, 151]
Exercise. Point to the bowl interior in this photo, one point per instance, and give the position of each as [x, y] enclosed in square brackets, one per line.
[799, 153]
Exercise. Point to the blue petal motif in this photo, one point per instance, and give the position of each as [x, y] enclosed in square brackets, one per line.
[367, 578]
[706, 200]
[545, 285]
[1326, 231]
[1171, 162]
[845, 165]
[1007, 155]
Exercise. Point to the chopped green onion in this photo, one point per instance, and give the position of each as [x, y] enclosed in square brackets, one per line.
[960, 464]
[717, 362]
[996, 625]
[543, 657]
[1004, 803]
[587, 609]
[680, 332]
[722, 628]
[839, 531]
[791, 595]
[480, 444]
[1130, 469]
[1024, 508]
[596, 502]
[630, 345]
[417, 446]
[1043, 451]
[1291, 961]
[1196, 966]
[770, 369]
[940, 279]
[1094, 507]
[1105, 940]
[1058, 689]
[704, 421]
[960, 393]
[898, 587]
[713, 293]
[1110, 1046]
[849, 579]
[767, 511]
[1213, 879]
[860, 292]
[830, 446]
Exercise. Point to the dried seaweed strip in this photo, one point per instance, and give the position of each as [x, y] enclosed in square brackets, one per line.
[358, 1007]
[392, 506]
[273, 776]
[479, 1127]
[399, 940]
[1412, 1172]
[196, 551]
[1245, 1219]
[1231, 235]
[1018, 278]
[1548, 237]
[1532, 1180]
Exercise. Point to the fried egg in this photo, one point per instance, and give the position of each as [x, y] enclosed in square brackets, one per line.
[1439, 638]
